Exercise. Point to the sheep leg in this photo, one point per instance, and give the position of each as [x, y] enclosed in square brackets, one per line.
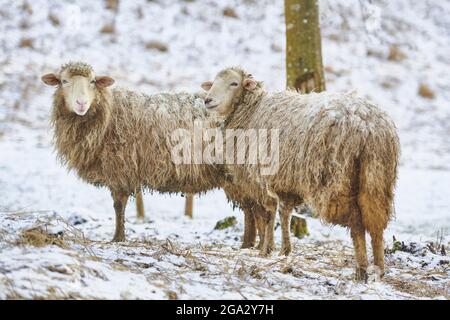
[140, 205]
[120, 201]
[359, 242]
[378, 250]
[285, 217]
[269, 244]
[249, 229]
[189, 205]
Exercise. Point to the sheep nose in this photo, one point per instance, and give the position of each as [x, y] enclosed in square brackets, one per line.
[208, 100]
[81, 103]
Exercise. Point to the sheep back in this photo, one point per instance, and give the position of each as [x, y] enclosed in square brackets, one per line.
[124, 141]
[334, 147]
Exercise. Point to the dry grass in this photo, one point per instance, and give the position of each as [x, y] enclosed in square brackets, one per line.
[26, 43]
[26, 7]
[54, 20]
[39, 237]
[230, 12]
[417, 288]
[395, 54]
[108, 29]
[157, 45]
[112, 5]
[426, 92]
[172, 295]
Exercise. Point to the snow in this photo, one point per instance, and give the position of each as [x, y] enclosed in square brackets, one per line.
[169, 255]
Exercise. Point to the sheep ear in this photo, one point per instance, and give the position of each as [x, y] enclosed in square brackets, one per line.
[104, 81]
[250, 84]
[50, 79]
[206, 85]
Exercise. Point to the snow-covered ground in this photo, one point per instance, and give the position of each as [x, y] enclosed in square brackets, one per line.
[169, 255]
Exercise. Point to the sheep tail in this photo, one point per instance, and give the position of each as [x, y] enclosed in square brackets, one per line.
[377, 177]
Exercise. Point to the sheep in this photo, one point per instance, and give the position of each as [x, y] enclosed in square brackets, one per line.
[117, 138]
[337, 151]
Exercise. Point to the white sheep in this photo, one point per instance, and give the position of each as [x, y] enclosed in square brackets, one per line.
[337, 151]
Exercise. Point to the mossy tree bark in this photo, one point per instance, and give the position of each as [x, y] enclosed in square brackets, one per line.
[304, 67]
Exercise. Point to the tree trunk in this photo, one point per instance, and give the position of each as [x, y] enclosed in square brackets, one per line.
[140, 205]
[304, 68]
[189, 205]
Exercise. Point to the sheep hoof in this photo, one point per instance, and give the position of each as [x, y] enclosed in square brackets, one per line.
[118, 238]
[285, 251]
[375, 274]
[361, 274]
[247, 245]
[265, 252]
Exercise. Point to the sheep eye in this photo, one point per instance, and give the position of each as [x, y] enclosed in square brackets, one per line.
[93, 82]
[65, 81]
[234, 84]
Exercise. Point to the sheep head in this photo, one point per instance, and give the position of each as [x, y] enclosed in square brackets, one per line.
[78, 84]
[226, 89]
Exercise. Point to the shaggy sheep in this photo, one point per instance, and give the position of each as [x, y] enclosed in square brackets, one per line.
[337, 151]
[117, 138]
[120, 139]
